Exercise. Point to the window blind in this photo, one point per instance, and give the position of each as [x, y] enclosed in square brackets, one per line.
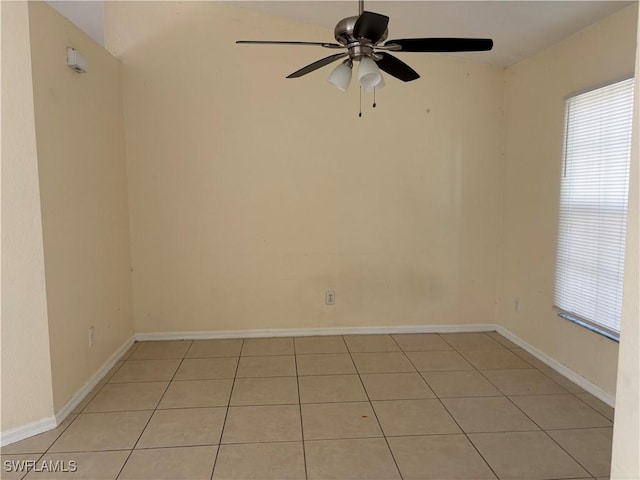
[593, 207]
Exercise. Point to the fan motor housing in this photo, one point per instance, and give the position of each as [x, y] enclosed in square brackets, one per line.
[344, 33]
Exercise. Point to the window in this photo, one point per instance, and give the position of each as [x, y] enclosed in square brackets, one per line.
[593, 207]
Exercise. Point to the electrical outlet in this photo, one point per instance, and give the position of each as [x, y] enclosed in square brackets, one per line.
[92, 336]
[330, 297]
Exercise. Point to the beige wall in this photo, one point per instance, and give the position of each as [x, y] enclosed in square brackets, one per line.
[26, 368]
[251, 194]
[626, 429]
[534, 125]
[80, 139]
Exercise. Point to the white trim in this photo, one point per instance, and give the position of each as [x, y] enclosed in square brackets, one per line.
[49, 423]
[307, 332]
[93, 381]
[30, 429]
[563, 370]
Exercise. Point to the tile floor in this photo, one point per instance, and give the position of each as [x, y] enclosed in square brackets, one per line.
[415, 406]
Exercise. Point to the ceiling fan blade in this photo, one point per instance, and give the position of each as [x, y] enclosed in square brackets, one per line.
[396, 67]
[442, 44]
[278, 42]
[318, 64]
[371, 26]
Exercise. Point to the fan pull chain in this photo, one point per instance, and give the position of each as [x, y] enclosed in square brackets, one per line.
[374, 97]
[360, 111]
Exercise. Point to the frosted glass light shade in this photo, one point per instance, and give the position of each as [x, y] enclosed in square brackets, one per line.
[377, 87]
[341, 76]
[368, 73]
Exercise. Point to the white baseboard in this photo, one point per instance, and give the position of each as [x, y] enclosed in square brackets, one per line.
[575, 377]
[93, 381]
[28, 430]
[49, 423]
[308, 332]
[304, 332]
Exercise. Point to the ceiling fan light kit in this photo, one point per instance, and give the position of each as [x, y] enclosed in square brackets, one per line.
[341, 75]
[376, 87]
[362, 37]
[368, 73]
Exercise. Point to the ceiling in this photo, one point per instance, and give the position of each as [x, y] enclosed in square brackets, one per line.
[87, 15]
[518, 28]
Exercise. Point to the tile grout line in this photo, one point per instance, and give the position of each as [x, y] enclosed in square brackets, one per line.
[533, 367]
[290, 441]
[300, 404]
[421, 378]
[101, 385]
[375, 414]
[550, 437]
[474, 368]
[454, 419]
[532, 420]
[466, 435]
[498, 389]
[153, 411]
[77, 415]
[304, 448]
[40, 456]
[513, 403]
[226, 414]
[591, 406]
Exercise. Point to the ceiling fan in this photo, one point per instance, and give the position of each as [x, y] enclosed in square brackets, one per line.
[362, 37]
